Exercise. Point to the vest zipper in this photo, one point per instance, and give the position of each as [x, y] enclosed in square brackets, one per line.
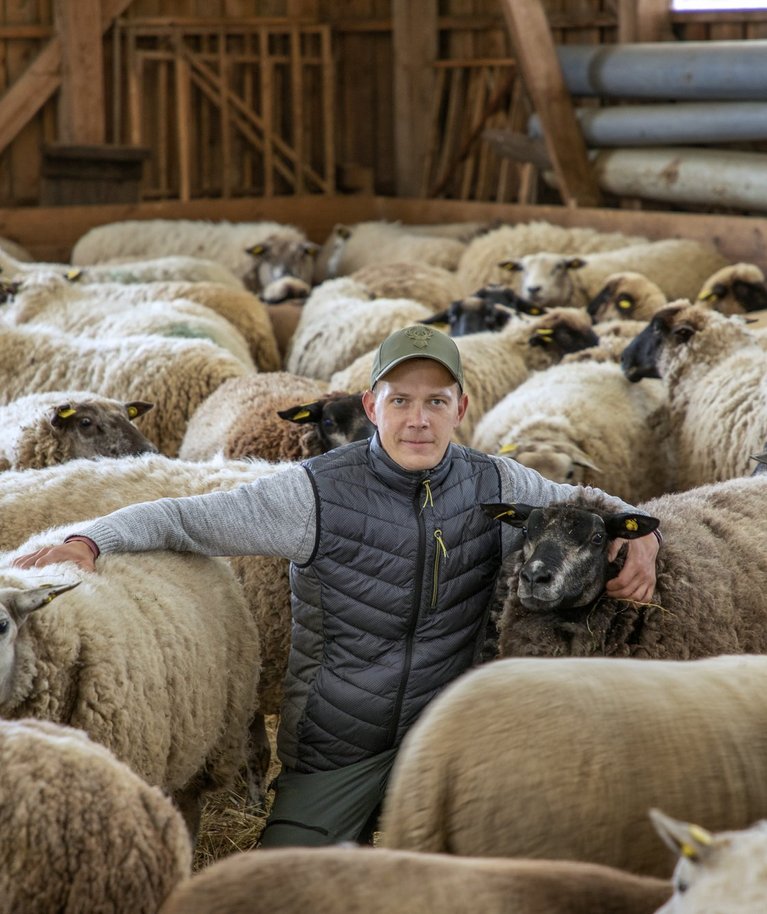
[414, 610]
[441, 550]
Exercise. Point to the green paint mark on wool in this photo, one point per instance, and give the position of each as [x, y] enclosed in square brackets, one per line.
[187, 332]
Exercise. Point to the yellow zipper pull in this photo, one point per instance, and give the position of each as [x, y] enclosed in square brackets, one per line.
[437, 552]
[428, 500]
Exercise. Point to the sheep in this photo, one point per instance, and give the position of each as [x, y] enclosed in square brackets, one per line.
[432, 286]
[284, 317]
[158, 269]
[379, 881]
[712, 368]
[676, 265]
[46, 298]
[735, 289]
[80, 831]
[626, 295]
[42, 430]
[136, 658]
[722, 873]
[709, 596]
[212, 422]
[227, 243]
[613, 337]
[562, 758]
[350, 247]
[9, 246]
[585, 424]
[176, 375]
[480, 262]
[282, 267]
[489, 308]
[496, 362]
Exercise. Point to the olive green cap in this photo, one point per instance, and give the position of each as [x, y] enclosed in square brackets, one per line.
[416, 342]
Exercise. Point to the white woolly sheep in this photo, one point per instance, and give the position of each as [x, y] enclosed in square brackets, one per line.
[351, 247]
[227, 243]
[41, 430]
[676, 265]
[46, 298]
[158, 269]
[713, 370]
[176, 375]
[585, 424]
[379, 881]
[135, 657]
[282, 267]
[480, 262]
[722, 873]
[709, 596]
[496, 362]
[80, 831]
[534, 757]
[735, 289]
[432, 286]
[626, 296]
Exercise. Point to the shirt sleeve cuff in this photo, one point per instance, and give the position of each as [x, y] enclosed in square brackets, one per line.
[88, 542]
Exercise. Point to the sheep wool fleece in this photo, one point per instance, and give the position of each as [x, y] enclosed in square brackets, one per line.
[392, 605]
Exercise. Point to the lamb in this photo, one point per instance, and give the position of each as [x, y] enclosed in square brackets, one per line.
[561, 759]
[626, 295]
[480, 262]
[676, 265]
[159, 269]
[585, 424]
[176, 375]
[713, 369]
[81, 831]
[46, 298]
[496, 362]
[735, 289]
[226, 243]
[351, 247]
[432, 286]
[708, 598]
[379, 881]
[42, 430]
[721, 873]
[135, 657]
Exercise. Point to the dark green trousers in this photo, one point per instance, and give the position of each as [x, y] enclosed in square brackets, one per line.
[328, 807]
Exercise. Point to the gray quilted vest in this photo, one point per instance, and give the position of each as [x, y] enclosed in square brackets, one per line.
[393, 604]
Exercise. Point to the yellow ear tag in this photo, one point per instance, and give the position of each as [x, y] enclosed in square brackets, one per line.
[132, 412]
[536, 311]
[545, 331]
[509, 448]
[72, 275]
[631, 524]
[706, 296]
[304, 414]
[687, 850]
[66, 412]
[510, 512]
[256, 249]
[624, 303]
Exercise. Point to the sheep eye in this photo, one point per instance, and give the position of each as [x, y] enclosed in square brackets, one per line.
[523, 531]
[3, 626]
[682, 887]
[328, 423]
[85, 423]
[570, 474]
[597, 539]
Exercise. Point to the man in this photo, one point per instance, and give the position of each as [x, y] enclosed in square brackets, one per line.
[393, 570]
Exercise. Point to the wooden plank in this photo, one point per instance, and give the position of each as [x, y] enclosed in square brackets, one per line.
[535, 52]
[42, 78]
[415, 50]
[81, 114]
[266, 112]
[183, 125]
[518, 146]
[297, 106]
[644, 20]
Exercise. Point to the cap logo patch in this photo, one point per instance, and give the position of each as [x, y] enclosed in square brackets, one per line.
[419, 336]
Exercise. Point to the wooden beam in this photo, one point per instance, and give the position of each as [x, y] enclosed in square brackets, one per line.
[41, 79]
[518, 146]
[542, 75]
[415, 50]
[644, 20]
[80, 115]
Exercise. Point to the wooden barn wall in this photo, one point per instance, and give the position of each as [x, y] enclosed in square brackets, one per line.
[362, 41]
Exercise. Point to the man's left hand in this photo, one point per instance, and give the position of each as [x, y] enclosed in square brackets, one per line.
[636, 580]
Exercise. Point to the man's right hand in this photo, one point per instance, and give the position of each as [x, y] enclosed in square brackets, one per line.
[74, 551]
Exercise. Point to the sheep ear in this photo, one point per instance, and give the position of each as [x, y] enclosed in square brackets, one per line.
[23, 602]
[630, 526]
[516, 515]
[342, 231]
[581, 459]
[311, 248]
[575, 263]
[303, 413]
[511, 266]
[62, 414]
[137, 408]
[684, 838]
[442, 317]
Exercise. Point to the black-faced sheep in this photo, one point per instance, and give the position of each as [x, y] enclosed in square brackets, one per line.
[710, 596]
[41, 430]
[79, 831]
[713, 369]
[379, 881]
[489, 308]
[561, 759]
[735, 289]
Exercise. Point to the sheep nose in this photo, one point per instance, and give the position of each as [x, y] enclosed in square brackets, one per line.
[535, 573]
[533, 291]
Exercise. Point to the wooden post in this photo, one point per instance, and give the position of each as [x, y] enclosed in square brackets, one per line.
[644, 20]
[539, 66]
[415, 51]
[183, 123]
[81, 119]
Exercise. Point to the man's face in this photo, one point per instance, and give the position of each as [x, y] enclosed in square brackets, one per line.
[416, 407]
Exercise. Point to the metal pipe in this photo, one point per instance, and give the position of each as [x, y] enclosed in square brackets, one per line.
[667, 70]
[703, 176]
[685, 123]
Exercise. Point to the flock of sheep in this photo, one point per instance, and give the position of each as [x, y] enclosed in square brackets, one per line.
[174, 358]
